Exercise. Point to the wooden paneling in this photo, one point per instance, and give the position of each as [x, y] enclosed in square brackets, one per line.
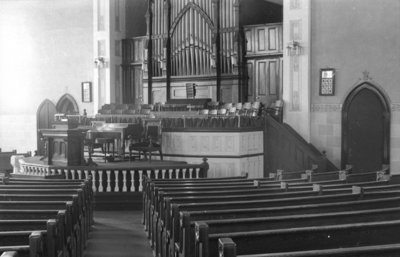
[264, 66]
[263, 39]
[284, 149]
[250, 81]
[273, 75]
[262, 77]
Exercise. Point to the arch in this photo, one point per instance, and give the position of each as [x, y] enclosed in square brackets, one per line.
[187, 8]
[365, 123]
[67, 104]
[44, 120]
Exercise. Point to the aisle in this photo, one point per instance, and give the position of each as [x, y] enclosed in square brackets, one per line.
[118, 234]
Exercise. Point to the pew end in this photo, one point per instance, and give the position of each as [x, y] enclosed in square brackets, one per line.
[36, 244]
[226, 247]
[201, 239]
[9, 254]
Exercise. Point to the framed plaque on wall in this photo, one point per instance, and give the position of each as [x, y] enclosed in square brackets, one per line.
[327, 82]
[86, 92]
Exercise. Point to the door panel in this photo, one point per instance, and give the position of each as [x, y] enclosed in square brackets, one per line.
[267, 82]
[365, 132]
[44, 119]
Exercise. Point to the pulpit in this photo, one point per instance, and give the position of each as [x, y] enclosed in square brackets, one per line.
[64, 145]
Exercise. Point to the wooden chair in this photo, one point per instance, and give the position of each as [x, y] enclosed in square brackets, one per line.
[213, 112]
[203, 112]
[221, 112]
[135, 135]
[152, 140]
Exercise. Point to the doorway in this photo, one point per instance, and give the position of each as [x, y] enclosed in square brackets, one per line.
[67, 105]
[44, 120]
[365, 129]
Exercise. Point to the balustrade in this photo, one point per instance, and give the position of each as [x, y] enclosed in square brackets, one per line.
[118, 180]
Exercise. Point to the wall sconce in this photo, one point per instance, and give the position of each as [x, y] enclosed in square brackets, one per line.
[293, 48]
[100, 62]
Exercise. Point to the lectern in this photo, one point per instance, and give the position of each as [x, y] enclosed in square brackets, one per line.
[64, 145]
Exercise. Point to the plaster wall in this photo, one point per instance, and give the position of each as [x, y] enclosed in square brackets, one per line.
[46, 51]
[360, 39]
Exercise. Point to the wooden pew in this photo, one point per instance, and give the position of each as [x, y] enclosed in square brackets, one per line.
[349, 190]
[85, 196]
[172, 214]
[76, 196]
[22, 244]
[29, 214]
[310, 238]
[155, 219]
[72, 230]
[227, 248]
[5, 165]
[205, 230]
[204, 187]
[80, 209]
[188, 218]
[54, 240]
[187, 222]
[39, 242]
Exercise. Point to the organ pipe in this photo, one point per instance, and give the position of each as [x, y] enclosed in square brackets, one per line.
[191, 27]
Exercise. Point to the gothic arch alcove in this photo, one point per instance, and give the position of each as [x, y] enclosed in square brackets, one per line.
[67, 105]
[44, 120]
[366, 128]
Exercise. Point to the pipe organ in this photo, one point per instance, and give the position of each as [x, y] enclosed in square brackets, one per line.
[203, 43]
[192, 41]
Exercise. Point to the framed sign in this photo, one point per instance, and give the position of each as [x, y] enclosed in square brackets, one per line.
[86, 92]
[327, 82]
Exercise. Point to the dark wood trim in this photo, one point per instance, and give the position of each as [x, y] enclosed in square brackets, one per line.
[216, 6]
[214, 156]
[167, 13]
[149, 19]
[386, 121]
[211, 130]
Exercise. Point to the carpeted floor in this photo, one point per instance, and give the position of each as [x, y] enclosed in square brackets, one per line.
[118, 234]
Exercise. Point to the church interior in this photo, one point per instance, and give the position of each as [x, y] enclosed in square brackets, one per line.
[179, 128]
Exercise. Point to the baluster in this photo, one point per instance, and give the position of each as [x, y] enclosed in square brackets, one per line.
[108, 188]
[156, 171]
[73, 174]
[132, 180]
[101, 189]
[197, 173]
[116, 189]
[163, 174]
[140, 180]
[66, 174]
[184, 173]
[124, 188]
[86, 174]
[79, 174]
[94, 181]
[190, 173]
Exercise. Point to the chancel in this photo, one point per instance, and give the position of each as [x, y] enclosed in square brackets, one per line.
[180, 128]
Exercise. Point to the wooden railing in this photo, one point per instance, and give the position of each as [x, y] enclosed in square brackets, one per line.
[124, 179]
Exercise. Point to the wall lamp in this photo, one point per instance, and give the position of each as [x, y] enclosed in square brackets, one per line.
[293, 48]
[100, 62]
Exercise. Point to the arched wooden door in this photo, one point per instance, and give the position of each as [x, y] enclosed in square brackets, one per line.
[44, 119]
[366, 129]
[67, 105]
